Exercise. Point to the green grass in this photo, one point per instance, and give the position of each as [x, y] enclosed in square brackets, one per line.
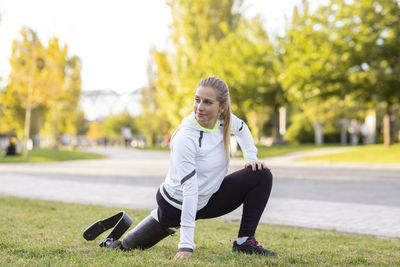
[46, 155]
[155, 147]
[44, 233]
[370, 154]
[277, 150]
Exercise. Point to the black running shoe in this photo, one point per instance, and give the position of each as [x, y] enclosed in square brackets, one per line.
[251, 246]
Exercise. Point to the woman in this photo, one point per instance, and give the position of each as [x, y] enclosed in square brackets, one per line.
[196, 186]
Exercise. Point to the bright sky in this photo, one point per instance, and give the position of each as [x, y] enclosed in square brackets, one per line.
[112, 38]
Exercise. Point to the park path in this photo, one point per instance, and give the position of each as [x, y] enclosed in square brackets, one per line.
[354, 198]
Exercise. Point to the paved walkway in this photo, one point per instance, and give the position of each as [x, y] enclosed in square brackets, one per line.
[354, 198]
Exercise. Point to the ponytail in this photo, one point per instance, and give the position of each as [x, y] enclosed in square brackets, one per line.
[226, 117]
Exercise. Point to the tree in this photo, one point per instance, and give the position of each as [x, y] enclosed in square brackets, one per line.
[213, 38]
[55, 68]
[71, 115]
[306, 55]
[64, 88]
[345, 48]
[94, 131]
[43, 80]
[194, 24]
[372, 36]
[12, 113]
[246, 59]
[27, 77]
[113, 125]
[150, 122]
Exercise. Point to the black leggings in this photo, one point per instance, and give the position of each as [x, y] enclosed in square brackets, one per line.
[247, 187]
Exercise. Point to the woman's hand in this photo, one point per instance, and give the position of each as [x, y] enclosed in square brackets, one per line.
[261, 165]
[183, 255]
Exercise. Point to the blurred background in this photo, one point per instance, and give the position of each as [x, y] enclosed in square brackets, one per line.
[84, 73]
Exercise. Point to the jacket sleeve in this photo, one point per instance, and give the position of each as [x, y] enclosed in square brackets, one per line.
[245, 139]
[184, 153]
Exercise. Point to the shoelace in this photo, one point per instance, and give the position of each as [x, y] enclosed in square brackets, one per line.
[254, 242]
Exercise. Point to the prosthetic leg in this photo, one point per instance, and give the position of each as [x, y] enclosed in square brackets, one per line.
[146, 234]
[120, 222]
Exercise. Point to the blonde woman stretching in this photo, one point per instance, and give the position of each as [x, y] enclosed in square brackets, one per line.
[196, 186]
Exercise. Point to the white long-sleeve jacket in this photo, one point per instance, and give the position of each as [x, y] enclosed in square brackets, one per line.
[198, 167]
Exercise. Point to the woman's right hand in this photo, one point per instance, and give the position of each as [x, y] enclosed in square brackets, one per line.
[260, 164]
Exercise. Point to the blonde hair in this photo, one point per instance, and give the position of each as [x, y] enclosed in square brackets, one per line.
[222, 90]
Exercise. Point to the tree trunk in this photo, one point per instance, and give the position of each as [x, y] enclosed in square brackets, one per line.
[28, 112]
[55, 128]
[277, 135]
[318, 133]
[387, 127]
[35, 118]
[282, 123]
[344, 124]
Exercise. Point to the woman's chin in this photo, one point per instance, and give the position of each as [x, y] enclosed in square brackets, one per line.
[199, 118]
[202, 121]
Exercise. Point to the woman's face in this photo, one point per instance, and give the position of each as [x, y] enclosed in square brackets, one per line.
[206, 107]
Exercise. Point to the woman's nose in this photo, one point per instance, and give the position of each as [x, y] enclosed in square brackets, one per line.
[200, 106]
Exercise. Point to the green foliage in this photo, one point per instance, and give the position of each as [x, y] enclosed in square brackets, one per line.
[194, 24]
[344, 49]
[213, 38]
[27, 64]
[64, 87]
[12, 113]
[53, 237]
[372, 38]
[332, 133]
[94, 132]
[332, 63]
[113, 125]
[300, 130]
[151, 122]
[44, 80]
[245, 60]
[25, 87]
[64, 91]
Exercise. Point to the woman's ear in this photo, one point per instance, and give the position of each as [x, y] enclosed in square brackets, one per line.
[222, 107]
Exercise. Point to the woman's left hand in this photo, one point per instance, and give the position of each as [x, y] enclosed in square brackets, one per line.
[183, 255]
[261, 165]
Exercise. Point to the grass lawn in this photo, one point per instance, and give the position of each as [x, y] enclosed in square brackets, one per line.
[156, 147]
[277, 150]
[46, 155]
[371, 153]
[44, 233]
